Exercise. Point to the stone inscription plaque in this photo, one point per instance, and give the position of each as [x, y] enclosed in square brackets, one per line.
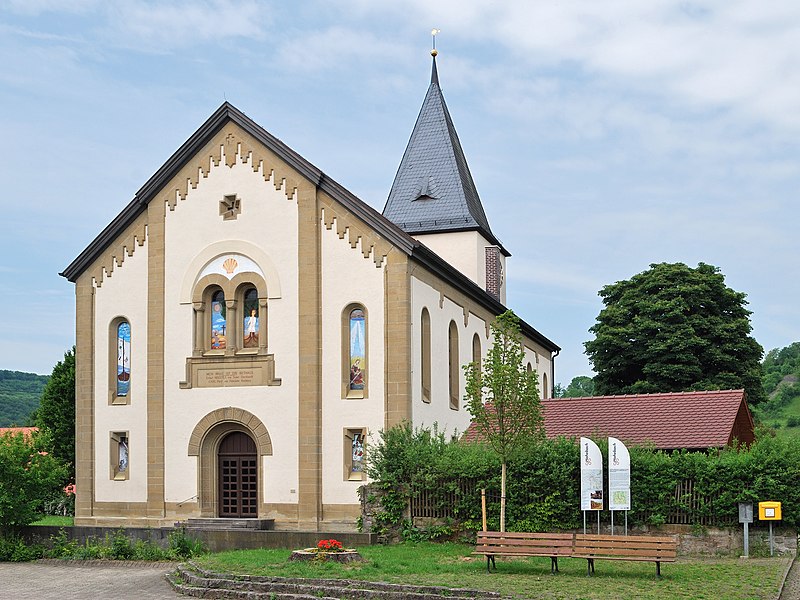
[228, 377]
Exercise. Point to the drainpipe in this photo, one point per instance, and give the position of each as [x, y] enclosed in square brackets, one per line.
[553, 372]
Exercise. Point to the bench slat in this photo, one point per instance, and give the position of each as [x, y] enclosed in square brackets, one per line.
[634, 558]
[524, 543]
[514, 550]
[589, 553]
[623, 538]
[524, 535]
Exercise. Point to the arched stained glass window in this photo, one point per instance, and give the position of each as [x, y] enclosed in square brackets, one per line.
[218, 323]
[358, 346]
[123, 358]
[251, 318]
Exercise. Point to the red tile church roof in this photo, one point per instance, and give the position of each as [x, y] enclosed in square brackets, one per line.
[669, 421]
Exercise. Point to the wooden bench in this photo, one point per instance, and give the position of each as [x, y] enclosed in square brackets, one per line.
[624, 547]
[516, 544]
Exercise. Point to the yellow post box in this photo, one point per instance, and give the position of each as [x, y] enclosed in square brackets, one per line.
[769, 511]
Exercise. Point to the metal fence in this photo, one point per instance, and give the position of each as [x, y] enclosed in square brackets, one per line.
[688, 505]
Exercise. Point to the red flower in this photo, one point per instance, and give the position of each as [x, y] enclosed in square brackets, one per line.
[329, 546]
[70, 489]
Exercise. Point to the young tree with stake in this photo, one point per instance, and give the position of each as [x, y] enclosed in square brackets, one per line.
[503, 397]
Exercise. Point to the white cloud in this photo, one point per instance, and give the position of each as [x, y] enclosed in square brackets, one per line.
[733, 55]
[159, 27]
[316, 50]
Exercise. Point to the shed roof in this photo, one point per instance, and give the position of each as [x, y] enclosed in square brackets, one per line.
[669, 421]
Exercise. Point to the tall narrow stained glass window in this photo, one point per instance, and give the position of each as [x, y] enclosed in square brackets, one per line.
[357, 350]
[250, 324]
[218, 323]
[123, 358]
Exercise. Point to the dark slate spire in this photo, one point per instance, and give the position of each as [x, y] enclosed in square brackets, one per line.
[433, 190]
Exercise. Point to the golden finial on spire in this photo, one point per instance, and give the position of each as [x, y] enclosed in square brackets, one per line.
[434, 51]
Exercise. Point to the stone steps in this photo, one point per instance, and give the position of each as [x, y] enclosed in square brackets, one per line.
[190, 580]
[225, 524]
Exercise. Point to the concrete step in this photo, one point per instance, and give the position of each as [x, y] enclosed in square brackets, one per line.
[227, 524]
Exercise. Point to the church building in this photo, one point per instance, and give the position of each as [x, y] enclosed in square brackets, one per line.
[246, 326]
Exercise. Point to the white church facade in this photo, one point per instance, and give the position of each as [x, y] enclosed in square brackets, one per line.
[246, 326]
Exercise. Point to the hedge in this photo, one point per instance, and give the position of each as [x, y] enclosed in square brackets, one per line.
[407, 464]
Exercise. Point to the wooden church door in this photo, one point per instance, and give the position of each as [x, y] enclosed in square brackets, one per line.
[238, 476]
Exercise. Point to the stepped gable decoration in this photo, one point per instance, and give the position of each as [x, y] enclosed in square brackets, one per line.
[433, 190]
[669, 421]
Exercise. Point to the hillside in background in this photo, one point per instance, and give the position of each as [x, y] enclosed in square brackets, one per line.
[19, 396]
[781, 382]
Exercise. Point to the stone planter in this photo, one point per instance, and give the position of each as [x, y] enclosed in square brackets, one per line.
[345, 556]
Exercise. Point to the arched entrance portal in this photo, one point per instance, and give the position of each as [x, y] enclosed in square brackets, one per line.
[238, 476]
[206, 442]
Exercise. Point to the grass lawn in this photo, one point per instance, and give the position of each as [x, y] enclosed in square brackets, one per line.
[451, 565]
[55, 520]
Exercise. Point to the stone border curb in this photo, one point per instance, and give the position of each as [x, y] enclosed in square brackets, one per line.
[785, 576]
[75, 562]
[192, 580]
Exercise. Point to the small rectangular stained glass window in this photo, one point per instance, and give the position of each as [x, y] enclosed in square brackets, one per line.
[354, 467]
[120, 455]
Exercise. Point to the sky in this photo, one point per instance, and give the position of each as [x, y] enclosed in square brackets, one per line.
[602, 136]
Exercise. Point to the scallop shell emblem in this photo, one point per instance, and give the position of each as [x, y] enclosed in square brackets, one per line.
[230, 265]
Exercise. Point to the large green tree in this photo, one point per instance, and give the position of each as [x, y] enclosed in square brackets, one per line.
[56, 414]
[502, 396]
[674, 328]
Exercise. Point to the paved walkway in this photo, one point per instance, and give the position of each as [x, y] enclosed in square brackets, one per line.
[84, 580]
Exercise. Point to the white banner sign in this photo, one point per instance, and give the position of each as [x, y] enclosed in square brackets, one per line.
[591, 476]
[619, 476]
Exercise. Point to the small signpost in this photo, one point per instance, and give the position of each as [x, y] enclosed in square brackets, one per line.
[770, 511]
[746, 517]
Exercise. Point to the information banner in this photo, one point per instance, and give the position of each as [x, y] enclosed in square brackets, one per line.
[619, 476]
[591, 476]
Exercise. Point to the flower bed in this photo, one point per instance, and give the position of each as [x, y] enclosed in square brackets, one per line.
[327, 550]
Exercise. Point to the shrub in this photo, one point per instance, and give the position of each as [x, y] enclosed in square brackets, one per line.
[29, 477]
[184, 546]
[119, 546]
[14, 549]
